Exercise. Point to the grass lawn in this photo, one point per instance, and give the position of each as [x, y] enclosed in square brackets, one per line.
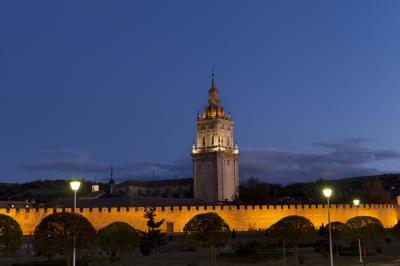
[172, 254]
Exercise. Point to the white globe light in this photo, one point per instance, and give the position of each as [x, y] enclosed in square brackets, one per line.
[75, 185]
[356, 202]
[327, 192]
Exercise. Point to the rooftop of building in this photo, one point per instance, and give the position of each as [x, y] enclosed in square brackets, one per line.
[15, 204]
[115, 201]
[157, 183]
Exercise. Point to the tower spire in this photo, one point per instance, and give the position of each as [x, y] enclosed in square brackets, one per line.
[112, 171]
[213, 86]
[214, 108]
[111, 183]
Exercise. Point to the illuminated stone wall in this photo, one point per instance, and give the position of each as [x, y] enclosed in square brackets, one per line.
[241, 217]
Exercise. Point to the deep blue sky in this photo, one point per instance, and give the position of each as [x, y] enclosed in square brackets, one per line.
[313, 86]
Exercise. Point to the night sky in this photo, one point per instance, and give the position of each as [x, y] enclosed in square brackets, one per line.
[313, 86]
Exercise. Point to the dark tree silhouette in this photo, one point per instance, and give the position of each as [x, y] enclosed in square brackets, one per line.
[10, 235]
[337, 234]
[367, 228]
[375, 192]
[256, 191]
[209, 229]
[119, 238]
[153, 237]
[396, 231]
[292, 231]
[55, 235]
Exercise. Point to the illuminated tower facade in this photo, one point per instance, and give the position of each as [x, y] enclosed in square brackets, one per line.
[215, 156]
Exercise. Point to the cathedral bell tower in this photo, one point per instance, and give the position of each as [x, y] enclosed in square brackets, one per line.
[215, 156]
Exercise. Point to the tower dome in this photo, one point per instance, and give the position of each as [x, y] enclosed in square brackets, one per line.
[214, 108]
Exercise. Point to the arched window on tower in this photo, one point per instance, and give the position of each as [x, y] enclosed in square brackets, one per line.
[212, 140]
[204, 141]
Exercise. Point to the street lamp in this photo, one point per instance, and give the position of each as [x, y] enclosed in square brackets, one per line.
[356, 203]
[327, 193]
[75, 184]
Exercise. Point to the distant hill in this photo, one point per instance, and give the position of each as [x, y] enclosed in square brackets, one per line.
[41, 190]
[351, 186]
[372, 189]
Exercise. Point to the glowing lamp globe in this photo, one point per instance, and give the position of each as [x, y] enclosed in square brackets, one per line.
[356, 202]
[75, 185]
[327, 192]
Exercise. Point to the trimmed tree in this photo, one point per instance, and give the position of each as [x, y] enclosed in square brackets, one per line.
[209, 229]
[337, 234]
[366, 228]
[396, 231]
[292, 231]
[55, 235]
[10, 235]
[119, 238]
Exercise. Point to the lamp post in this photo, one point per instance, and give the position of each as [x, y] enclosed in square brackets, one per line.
[75, 184]
[356, 203]
[327, 193]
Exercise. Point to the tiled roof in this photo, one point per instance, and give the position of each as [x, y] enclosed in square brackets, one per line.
[93, 195]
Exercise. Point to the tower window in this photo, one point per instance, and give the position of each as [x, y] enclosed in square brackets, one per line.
[204, 141]
[219, 139]
[212, 140]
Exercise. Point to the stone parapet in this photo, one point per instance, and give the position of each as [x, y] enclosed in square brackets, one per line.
[239, 217]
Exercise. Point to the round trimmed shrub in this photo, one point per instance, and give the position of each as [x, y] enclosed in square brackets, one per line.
[55, 235]
[119, 238]
[10, 235]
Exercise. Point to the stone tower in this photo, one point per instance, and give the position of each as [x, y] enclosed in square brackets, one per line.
[215, 156]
